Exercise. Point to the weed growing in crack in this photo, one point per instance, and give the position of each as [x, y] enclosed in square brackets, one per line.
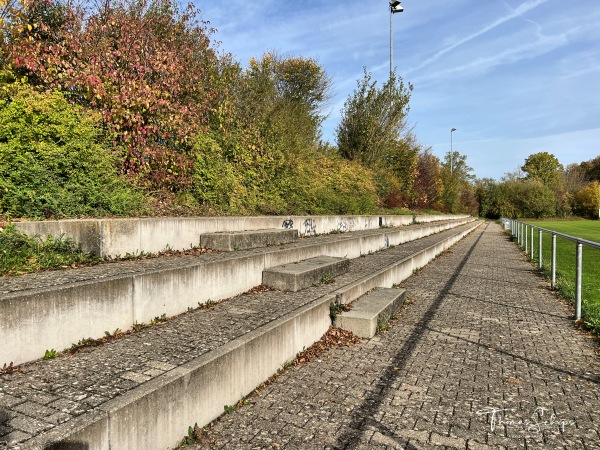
[157, 319]
[327, 279]
[337, 308]
[208, 304]
[50, 354]
[192, 436]
[383, 326]
[9, 369]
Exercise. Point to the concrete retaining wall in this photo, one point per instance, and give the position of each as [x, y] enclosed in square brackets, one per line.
[33, 322]
[114, 237]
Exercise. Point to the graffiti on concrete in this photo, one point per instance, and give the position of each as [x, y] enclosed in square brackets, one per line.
[310, 227]
[347, 224]
[288, 224]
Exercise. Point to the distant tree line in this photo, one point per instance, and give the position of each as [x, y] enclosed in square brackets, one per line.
[543, 188]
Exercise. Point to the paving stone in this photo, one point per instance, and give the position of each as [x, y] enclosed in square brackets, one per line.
[9, 401]
[14, 437]
[35, 410]
[28, 425]
[57, 418]
[447, 441]
[136, 377]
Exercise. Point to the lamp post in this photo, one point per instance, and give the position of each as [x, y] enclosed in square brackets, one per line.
[395, 7]
[451, 151]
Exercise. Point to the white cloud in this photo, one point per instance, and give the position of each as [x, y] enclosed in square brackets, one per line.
[511, 55]
[518, 12]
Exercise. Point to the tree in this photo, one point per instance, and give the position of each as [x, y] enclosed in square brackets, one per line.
[264, 137]
[544, 167]
[374, 120]
[574, 177]
[428, 185]
[488, 197]
[534, 199]
[144, 64]
[591, 169]
[586, 202]
[457, 178]
[525, 198]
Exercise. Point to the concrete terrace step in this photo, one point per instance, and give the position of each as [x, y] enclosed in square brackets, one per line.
[144, 390]
[57, 309]
[300, 275]
[244, 240]
[371, 311]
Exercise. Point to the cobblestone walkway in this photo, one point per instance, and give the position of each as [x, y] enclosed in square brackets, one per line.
[485, 356]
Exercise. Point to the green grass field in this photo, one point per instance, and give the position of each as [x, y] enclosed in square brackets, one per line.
[565, 263]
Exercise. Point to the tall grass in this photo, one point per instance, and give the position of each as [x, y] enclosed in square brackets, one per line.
[20, 254]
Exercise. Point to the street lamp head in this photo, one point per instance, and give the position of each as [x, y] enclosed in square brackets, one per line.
[453, 129]
[395, 6]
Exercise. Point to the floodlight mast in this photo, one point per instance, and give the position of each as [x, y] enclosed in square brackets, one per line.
[451, 151]
[395, 7]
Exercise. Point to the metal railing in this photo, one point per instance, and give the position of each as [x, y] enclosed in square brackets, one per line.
[525, 237]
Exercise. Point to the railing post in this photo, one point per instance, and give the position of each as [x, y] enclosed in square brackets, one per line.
[553, 260]
[532, 243]
[526, 237]
[578, 281]
[540, 263]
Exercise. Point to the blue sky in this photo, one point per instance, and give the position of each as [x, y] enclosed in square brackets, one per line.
[515, 77]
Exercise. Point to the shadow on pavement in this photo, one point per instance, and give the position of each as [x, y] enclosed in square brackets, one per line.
[362, 416]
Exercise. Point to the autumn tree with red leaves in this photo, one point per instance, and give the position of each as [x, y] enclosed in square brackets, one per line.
[144, 64]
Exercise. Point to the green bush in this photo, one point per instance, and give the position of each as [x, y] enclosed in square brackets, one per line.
[339, 186]
[55, 161]
[311, 183]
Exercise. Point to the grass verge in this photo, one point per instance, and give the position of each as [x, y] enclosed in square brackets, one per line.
[566, 260]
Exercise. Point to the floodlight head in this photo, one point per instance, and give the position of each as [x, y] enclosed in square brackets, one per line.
[395, 6]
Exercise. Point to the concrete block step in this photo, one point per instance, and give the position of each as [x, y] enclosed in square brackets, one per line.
[300, 275]
[243, 240]
[371, 311]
